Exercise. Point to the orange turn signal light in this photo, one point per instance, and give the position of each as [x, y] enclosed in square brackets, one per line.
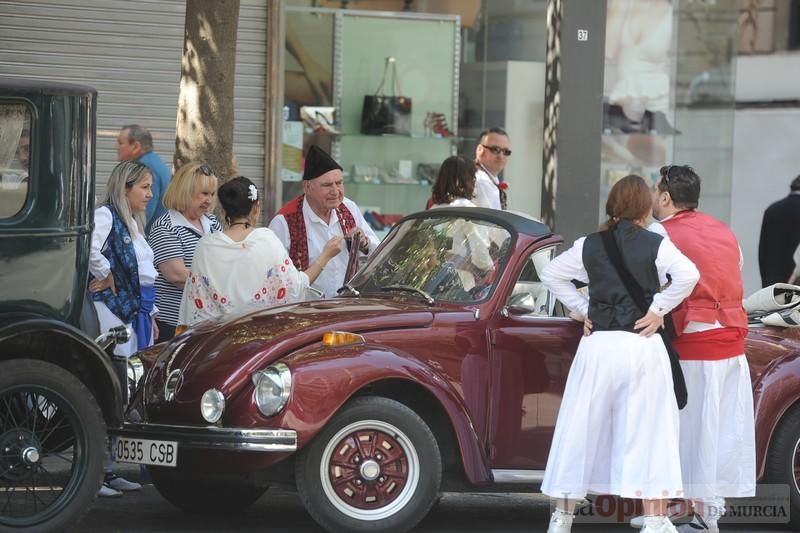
[341, 338]
[180, 329]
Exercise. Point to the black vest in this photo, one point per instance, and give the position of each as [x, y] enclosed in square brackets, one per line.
[610, 306]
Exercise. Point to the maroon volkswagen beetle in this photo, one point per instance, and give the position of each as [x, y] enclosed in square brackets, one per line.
[441, 367]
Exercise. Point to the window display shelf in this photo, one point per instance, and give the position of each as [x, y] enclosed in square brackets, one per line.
[425, 52]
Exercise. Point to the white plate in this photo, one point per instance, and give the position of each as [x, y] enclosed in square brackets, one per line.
[145, 452]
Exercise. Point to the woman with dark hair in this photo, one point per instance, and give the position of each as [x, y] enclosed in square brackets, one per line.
[455, 183]
[617, 428]
[244, 268]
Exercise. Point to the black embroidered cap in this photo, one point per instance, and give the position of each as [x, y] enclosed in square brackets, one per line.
[318, 162]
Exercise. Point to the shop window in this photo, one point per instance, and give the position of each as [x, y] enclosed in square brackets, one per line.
[378, 92]
[15, 137]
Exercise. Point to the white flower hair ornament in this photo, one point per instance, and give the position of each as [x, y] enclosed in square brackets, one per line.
[252, 193]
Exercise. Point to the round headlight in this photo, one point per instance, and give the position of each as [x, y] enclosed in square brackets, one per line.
[212, 405]
[272, 387]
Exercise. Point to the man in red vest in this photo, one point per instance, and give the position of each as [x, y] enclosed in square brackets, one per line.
[717, 430]
[309, 221]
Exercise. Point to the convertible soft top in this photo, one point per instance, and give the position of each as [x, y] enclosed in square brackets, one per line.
[514, 222]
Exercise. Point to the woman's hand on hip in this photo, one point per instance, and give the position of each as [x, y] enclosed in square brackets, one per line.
[107, 282]
[649, 324]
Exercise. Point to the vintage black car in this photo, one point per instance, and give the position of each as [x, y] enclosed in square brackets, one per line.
[59, 389]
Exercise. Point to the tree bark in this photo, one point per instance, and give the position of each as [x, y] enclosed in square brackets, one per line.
[205, 105]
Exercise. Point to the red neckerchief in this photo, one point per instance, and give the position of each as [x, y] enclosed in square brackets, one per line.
[298, 237]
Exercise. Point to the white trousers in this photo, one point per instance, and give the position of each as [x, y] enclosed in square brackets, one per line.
[718, 457]
[617, 428]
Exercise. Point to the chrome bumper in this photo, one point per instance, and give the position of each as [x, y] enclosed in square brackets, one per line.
[214, 438]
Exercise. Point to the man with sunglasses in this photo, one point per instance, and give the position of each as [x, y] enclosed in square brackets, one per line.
[491, 156]
[135, 143]
[717, 437]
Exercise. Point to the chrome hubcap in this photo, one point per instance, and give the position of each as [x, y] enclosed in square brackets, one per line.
[30, 455]
[370, 470]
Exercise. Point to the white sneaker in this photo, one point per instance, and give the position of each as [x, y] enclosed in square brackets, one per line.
[676, 511]
[107, 492]
[658, 524]
[120, 483]
[698, 525]
[560, 522]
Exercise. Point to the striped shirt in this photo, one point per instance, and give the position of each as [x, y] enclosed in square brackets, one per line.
[171, 237]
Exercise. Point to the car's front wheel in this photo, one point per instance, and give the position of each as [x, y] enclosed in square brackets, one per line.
[52, 447]
[783, 461]
[375, 466]
[202, 496]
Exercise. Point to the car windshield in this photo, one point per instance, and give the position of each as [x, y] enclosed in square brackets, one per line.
[445, 259]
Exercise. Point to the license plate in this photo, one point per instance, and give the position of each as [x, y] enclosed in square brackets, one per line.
[146, 452]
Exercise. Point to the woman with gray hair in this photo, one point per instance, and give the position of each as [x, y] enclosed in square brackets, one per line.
[120, 261]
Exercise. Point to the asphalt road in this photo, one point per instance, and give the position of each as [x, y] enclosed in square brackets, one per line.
[281, 511]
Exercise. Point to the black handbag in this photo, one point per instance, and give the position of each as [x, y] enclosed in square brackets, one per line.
[386, 114]
[637, 293]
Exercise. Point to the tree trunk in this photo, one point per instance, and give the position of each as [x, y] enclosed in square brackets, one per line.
[205, 105]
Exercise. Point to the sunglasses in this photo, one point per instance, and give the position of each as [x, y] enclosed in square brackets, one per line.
[664, 171]
[497, 150]
[206, 170]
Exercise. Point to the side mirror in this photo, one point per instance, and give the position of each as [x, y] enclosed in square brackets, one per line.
[518, 310]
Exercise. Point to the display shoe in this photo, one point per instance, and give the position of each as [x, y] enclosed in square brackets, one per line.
[106, 491]
[698, 525]
[440, 128]
[560, 522]
[658, 524]
[120, 483]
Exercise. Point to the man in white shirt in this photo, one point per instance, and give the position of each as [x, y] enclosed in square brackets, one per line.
[491, 156]
[309, 221]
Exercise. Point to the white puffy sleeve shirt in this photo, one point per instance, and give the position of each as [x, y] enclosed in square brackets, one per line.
[229, 277]
[558, 276]
[98, 264]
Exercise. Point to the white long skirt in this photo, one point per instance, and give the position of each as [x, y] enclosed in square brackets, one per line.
[617, 428]
[109, 320]
[717, 441]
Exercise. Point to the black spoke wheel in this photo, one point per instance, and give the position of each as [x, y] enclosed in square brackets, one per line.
[52, 447]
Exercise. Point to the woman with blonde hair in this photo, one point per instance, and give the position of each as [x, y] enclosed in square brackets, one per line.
[617, 427]
[120, 260]
[122, 274]
[189, 199]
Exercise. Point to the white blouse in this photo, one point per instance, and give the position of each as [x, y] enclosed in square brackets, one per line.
[558, 276]
[98, 264]
[229, 277]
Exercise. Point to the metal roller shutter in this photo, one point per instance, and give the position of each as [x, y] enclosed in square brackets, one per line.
[131, 53]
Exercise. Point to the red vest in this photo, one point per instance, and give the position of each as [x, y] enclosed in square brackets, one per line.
[717, 297]
[298, 238]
